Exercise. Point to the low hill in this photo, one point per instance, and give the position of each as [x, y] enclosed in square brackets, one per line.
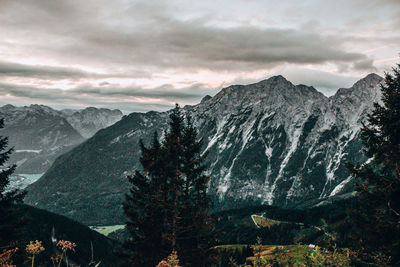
[49, 227]
[237, 231]
[287, 226]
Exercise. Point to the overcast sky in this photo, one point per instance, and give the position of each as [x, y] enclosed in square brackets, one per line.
[147, 55]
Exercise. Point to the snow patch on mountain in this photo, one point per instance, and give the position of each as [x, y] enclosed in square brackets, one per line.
[268, 142]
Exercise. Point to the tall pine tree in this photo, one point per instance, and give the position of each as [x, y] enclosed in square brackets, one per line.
[377, 210]
[11, 219]
[167, 206]
[195, 224]
[144, 207]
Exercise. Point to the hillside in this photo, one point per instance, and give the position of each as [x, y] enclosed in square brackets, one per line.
[43, 225]
[237, 232]
[40, 134]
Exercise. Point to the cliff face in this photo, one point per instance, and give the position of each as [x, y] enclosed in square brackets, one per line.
[269, 142]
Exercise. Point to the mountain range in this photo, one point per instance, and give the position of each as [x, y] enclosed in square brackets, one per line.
[39, 134]
[270, 142]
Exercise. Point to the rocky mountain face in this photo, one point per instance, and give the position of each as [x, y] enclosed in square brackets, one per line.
[89, 120]
[39, 134]
[271, 142]
[284, 144]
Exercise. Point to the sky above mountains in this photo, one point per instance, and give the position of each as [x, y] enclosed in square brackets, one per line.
[147, 55]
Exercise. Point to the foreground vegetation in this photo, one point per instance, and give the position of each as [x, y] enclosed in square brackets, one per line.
[292, 255]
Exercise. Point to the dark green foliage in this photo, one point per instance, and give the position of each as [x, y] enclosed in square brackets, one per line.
[195, 225]
[43, 225]
[144, 209]
[315, 225]
[377, 212]
[11, 215]
[300, 226]
[20, 224]
[227, 255]
[236, 226]
[167, 206]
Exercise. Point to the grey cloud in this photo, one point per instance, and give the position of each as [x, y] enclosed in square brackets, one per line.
[89, 95]
[175, 44]
[367, 64]
[146, 39]
[155, 39]
[166, 91]
[10, 69]
[22, 70]
[325, 82]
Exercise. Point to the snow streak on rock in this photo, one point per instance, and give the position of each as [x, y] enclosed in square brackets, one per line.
[269, 142]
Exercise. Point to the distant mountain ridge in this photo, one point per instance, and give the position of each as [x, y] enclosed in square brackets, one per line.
[269, 142]
[89, 120]
[39, 134]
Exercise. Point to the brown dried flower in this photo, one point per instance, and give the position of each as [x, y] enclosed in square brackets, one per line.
[66, 245]
[34, 248]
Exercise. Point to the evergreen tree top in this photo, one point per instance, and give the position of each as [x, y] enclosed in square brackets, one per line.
[381, 135]
[376, 212]
[167, 205]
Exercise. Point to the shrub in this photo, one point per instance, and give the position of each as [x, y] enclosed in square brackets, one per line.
[171, 261]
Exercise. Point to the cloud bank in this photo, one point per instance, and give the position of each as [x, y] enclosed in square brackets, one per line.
[146, 55]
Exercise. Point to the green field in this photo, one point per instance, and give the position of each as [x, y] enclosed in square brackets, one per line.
[262, 222]
[106, 230]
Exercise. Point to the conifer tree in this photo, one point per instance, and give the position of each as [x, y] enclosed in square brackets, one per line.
[377, 209]
[11, 219]
[167, 206]
[196, 229]
[172, 148]
[144, 208]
